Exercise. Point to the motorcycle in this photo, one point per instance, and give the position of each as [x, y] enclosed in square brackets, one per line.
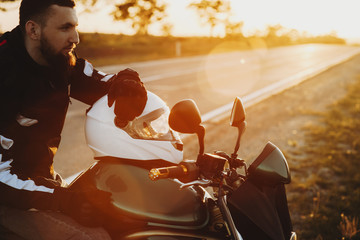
[156, 195]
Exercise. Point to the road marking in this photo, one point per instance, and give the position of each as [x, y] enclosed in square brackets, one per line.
[189, 71]
[279, 86]
[152, 63]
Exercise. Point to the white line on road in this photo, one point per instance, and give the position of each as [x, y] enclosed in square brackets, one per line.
[279, 86]
[187, 71]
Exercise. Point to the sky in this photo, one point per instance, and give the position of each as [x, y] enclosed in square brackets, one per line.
[316, 17]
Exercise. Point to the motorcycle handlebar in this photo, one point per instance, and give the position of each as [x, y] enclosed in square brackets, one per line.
[167, 172]
[187, 170]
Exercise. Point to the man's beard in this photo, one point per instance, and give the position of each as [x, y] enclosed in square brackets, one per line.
[60, 62]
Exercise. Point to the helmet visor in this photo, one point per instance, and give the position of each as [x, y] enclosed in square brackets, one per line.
[152, 126]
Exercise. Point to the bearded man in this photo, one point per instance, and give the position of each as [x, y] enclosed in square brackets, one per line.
[39, 72]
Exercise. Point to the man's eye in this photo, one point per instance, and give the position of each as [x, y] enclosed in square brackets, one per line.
[65, 28]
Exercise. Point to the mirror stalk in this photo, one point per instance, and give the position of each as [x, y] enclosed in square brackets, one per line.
[201, 135]
[241, 128]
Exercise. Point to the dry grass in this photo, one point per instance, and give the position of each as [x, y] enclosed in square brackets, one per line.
[349, 227]
[328, 189]
[105, 49]
[324, 167]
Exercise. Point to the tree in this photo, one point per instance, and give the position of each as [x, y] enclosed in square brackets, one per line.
[234, 29]
[166, 29]
[277, 35]
[212, 12]
[140, 13]
[3, 9]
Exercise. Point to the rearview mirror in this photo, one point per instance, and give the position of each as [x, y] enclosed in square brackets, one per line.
[237, 119]
[185, 117]
[237, 116]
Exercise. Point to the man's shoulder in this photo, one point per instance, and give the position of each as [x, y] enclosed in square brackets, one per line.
[7, 49]
[12, 40]
[7, 58]
[9, 66]
[4, 42]
[11, 51]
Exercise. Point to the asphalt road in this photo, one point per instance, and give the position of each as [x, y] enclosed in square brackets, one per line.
[215, 80]
[211, 81]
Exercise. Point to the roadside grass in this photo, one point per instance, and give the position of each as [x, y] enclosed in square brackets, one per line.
[325, 192]
[105, 49]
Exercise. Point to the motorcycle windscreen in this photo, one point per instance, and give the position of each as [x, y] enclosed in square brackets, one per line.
[264, 208]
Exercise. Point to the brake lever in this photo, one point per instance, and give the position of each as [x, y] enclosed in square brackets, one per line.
[203, 183]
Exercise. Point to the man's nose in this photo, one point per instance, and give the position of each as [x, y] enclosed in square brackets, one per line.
[75, 37]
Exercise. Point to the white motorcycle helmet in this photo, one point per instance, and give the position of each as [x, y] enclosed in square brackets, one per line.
[147, 137]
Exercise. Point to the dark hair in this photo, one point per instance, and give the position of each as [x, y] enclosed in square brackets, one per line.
[37, 9]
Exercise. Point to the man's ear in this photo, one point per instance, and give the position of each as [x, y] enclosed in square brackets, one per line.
[33, 30]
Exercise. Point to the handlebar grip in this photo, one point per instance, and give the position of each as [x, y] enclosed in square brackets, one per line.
[168, 172]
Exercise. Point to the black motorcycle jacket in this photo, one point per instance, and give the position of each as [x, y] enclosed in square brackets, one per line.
[33, 103]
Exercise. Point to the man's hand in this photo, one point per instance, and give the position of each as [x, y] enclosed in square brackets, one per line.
[128, 93]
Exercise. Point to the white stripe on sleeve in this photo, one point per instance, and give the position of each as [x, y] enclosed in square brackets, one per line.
[12, 180]
[88, 69]
[107, 77]
[5, 143]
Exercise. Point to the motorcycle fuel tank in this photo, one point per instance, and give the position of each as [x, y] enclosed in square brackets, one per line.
[134, 195]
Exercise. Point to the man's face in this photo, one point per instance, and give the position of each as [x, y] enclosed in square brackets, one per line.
[59, 35]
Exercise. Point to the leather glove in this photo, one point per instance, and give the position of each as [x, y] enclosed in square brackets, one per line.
[128, 93]
[84, 206]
